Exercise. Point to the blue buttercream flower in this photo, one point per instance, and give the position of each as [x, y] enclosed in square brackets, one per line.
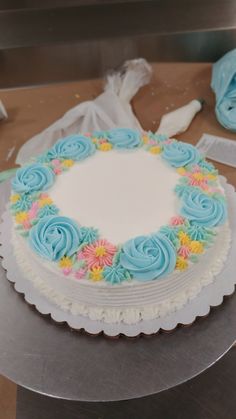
[23, 204]
[207, 166]
[47, 210]
[148, 257]
[54, 237]
[170, 232]
[124, 138]
[204, 210]
[31, 178]
[199, 233]
[179, 154]
[76, 147]
[115, 274]
[88, 235]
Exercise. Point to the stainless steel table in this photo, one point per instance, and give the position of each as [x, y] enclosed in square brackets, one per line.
[50, 359]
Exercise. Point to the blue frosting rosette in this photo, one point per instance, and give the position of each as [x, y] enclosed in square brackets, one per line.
[124, 138]
[76, 147]
[179, 154]
[32, 178]
[148, 257]
[54, 237]
[204, 210]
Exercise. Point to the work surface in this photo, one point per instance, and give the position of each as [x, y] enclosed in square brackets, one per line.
[173, 84]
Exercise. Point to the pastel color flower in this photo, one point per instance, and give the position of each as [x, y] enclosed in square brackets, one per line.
[177, 220]
[96, 274]
[99, 253]
[184, 238]
[196, 247]
[105, 146]
[181, 263]
[56, 162]
[80, 273]
[184, 252]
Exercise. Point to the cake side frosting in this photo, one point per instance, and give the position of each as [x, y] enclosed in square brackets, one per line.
[80, 251]
[133, 301]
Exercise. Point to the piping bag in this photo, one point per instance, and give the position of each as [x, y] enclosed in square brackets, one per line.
[109, 110]
[223, 84]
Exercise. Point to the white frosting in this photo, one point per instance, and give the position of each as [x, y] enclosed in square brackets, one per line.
[130, 302]
[122, 193]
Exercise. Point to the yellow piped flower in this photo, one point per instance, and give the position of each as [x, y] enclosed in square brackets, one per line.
[45, 201]
[155, 149]
[198, 176]
[196, 247]
[181, 171]
[21, 217]
[181, 263]
[68, 163]
[145, 139]
[105, 147]
[211, 177]
[184, 238]
[100, 251]
[14, 198]
[65, 262]
[96, 274]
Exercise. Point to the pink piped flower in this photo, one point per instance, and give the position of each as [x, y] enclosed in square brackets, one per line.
[80, 273]
[152, 142]
[177, 220]
[99, 254]
[26, 224]
[43, 195]
[80, 256]
[57, 170]
[32, 213]
[195, 182]
[87, 134]
[184, 251]
[66, 271]
[55, 162]
[168, 141]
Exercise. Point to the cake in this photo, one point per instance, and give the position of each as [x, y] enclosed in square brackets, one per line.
[119, 226]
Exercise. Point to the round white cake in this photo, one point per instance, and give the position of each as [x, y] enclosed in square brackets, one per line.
[119, 226]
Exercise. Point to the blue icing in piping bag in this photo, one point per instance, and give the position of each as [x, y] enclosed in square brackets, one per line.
[223, 84]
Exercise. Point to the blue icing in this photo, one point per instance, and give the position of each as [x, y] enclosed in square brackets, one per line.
[88, 235]
[198, 232]
[54, 237]
[148, 257]
[76, 147]
[124, 138]
[157, 137]
[47, 210]
[170, 232]
[179, 154]
[23, 204]
[182, 190]
[31, 178]
[203, 210]
[207, 166]
[115, 274]
[99, 134]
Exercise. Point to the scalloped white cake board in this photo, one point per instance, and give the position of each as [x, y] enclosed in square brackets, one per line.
[210, 296]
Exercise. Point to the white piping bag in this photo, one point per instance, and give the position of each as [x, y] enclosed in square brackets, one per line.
[109, 110]
[178, 121]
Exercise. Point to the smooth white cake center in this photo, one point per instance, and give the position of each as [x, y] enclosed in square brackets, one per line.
[123, 194]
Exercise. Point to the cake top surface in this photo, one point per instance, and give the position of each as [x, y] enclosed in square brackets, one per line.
[144, 209]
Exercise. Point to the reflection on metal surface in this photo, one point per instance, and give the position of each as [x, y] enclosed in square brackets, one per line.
[64, 62]
[50, 43]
